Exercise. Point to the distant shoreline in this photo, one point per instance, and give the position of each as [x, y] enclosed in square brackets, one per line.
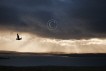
[13, 53]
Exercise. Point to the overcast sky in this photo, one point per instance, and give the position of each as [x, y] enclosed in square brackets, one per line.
[76, 18]
[68, 21]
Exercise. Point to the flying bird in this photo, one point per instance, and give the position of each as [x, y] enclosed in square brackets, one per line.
[18, 38]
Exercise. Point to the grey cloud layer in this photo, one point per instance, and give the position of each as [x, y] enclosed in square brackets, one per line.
[77, 19]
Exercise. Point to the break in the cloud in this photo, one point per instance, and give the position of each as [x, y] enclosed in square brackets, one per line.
[32, 43]
[77, 19]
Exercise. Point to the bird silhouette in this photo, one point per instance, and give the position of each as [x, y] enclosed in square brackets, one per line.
[18, 38]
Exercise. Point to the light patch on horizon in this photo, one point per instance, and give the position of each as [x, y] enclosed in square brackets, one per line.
[33, 43]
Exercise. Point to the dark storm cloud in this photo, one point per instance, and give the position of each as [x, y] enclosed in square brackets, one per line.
[77, 19]
[8, 15]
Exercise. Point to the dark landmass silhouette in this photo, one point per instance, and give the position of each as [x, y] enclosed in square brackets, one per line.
[54, 68]
[52, 54]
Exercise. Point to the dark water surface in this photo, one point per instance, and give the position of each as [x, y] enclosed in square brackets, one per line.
[52, 60]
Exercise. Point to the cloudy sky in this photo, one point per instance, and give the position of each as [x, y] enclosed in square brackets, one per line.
[70, 26]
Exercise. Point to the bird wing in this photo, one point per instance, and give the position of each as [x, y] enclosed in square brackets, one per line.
[17, 36]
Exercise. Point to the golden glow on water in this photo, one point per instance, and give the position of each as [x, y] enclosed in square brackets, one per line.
[32, 43]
